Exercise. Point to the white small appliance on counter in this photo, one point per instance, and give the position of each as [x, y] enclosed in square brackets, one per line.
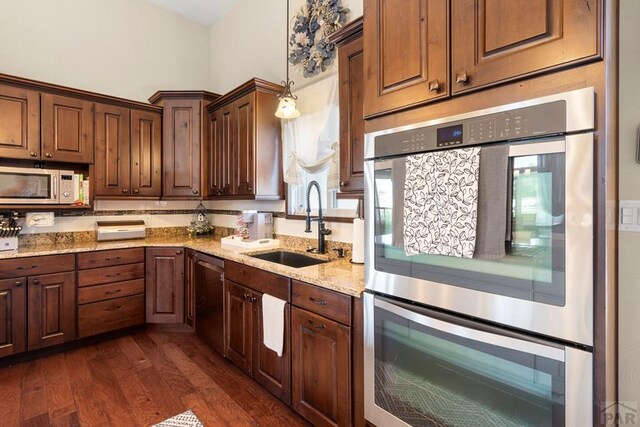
[120, 230]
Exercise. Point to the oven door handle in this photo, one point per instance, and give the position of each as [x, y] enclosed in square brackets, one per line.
[479, 332]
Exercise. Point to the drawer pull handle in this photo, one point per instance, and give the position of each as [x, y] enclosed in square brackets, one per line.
[25, 268]
[316, 325]
[36, 282]
[117, 307]
[113, 275]
[113, 259]
[19, 284]
[113, 292]
[317, 301]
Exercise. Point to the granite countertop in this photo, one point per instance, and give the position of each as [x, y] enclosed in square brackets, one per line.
[338, 274]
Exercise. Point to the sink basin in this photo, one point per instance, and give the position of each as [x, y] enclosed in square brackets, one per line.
[290, 259]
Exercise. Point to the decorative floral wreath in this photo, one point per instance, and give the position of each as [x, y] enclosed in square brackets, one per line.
[309, 44]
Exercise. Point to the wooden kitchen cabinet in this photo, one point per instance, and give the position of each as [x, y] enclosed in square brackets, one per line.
[244, 344]
[164, 283]
[190, 288]
[351, 91]
[13, 316]
[67, 129]
[19, 123]
[406, 53]
[184, 138]
[244, 146]
[128, 152]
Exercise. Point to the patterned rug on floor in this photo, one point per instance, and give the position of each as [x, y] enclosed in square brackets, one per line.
[185, 419]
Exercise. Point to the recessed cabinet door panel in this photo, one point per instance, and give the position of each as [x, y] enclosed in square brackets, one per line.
[146, 160]
[214, 156]
[165, 285]
[52, 309]
[238, 325]
[112, 151]
[246, 139]
[181, 165]
[12, 316]
[67, 129]
[405, 53]
[228, 162]
[499, 40]
[19, 123]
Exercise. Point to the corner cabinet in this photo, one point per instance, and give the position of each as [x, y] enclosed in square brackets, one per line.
[164, 283]
[184, 134]
[244, 145]
[407, 50]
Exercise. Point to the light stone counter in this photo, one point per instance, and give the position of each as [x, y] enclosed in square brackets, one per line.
[338, 274]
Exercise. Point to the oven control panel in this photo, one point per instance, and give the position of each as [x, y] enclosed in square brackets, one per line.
[522, 123]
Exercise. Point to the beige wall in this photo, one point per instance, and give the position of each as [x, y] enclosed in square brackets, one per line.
[629, 243]
[126, 48]
[250, 41]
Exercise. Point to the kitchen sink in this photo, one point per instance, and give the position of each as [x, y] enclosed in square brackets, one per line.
[290, 259]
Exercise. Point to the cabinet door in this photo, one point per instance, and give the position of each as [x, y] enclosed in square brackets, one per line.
[13, 316]
[113, 147]
[271, 371]
[51, 309]
[405, 53]
[494, 41]
[164, 283]
[67, 129]
[146, 160]
[321, 374]
[351, 75]
[190, 290]
[181, 148]
[245, 140]
[238, 325]
[214, 156]
[19, 123]
[228, 158]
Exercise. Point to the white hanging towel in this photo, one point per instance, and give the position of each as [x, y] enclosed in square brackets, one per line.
[441, 202]
[273, 323]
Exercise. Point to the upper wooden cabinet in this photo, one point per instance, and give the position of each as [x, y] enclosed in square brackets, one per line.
[244, 145]
[128, 148]
[184, 135]
[19, 123]
[492, 41]
[351, 89]
[67, 129]
[405, 53]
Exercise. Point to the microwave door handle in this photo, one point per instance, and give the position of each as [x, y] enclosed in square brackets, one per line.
[54, 178]
[479, 332]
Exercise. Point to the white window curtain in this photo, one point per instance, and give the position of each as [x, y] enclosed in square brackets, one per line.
[310, 142]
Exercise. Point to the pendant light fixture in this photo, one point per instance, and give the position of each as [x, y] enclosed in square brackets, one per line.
[287, 106]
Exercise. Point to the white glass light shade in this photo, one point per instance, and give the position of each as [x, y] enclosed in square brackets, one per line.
[287, 108]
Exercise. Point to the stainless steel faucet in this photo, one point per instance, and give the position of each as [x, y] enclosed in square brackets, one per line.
[322, 231]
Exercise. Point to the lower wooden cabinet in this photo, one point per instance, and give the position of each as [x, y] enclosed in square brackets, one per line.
[12, 316]
[238, 325]
[321, 368]
[164, 281]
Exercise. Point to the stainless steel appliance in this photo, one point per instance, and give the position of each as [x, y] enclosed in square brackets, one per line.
[26, 186]
[209, 279]
[120, 230]
[543, 286]
[260, 224]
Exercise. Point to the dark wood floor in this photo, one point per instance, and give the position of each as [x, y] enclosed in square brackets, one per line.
[136, 380]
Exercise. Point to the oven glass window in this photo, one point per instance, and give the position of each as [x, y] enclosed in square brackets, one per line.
[24, 186]
[427, 377]
[534, 265]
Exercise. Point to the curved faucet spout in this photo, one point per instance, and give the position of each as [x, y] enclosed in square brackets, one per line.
[322, 231]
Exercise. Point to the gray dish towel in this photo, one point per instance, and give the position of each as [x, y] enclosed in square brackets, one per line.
[492, 202]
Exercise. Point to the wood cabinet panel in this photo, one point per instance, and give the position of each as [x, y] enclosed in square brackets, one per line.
[245, 139]
[321, 369]
[259, 280]
[51, 309]
[113, 151]
[110, 315]
[327, 303]
[228, 160]
[164, 281]
[146, 150]
[13, 316]
[215, 158]
[110, 258]
[30, 266]
[238, 325]
[495, 41]
[109, 291]
[67, 129]
[19, 123]
[117, 273]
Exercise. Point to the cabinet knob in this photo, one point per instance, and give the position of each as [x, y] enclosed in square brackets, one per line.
[36, 281]
[316, 325]
[125, 191]
[178, 252]
[434, 86]
[19, 283]
[253, 299]
[136, 191]
[33, 154]
[48, 155]
[344, 183]
[245, 296]
[195, 191]
[462, 77]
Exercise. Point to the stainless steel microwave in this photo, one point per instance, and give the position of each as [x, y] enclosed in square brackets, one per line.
[31, 186]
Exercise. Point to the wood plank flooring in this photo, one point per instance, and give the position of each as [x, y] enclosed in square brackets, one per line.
[136, 380]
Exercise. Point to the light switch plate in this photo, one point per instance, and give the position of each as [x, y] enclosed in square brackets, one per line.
[629, 215]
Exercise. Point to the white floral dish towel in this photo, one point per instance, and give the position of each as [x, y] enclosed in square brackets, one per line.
[441, 202]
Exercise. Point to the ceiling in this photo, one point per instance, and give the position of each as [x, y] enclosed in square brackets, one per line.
[205, 12]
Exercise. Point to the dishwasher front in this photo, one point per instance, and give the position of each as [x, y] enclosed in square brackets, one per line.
[209, 290]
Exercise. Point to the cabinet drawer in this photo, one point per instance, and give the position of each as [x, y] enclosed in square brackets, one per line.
[16, 267]
[110, 258]
[324, 302]
[119, 273]
[110, 315]
[259, 280]
[110, 291]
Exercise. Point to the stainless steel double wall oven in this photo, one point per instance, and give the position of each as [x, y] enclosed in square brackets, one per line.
[506, 341]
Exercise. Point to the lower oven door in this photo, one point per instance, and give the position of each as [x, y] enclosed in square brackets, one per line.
[425, 368]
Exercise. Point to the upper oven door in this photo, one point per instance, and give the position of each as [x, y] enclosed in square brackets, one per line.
[28, 186]
[543, 284]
